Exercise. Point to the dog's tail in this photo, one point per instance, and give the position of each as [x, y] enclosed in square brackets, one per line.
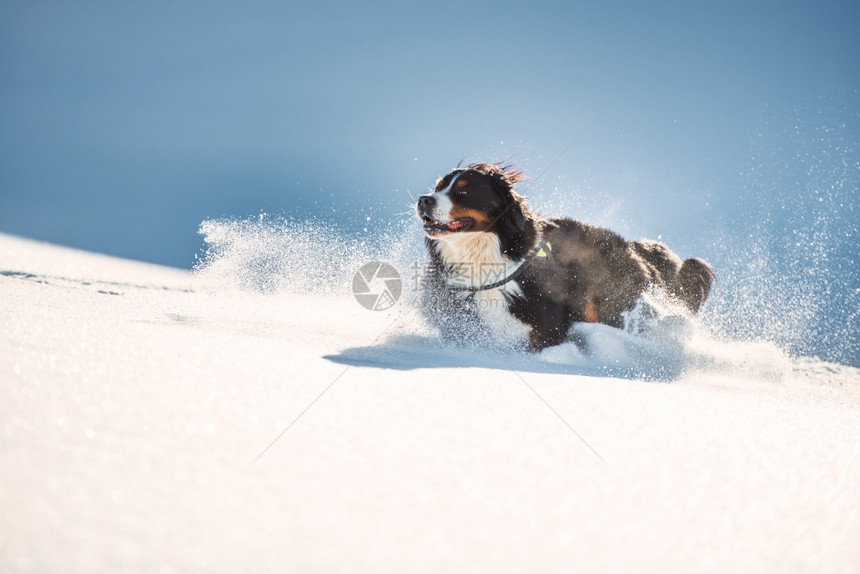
[694, 281]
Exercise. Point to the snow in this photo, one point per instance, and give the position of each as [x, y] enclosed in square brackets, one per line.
[155, 420]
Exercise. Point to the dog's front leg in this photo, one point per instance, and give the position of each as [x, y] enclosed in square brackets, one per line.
[540, 339]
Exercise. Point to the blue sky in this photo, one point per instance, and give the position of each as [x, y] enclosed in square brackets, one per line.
[124, 125]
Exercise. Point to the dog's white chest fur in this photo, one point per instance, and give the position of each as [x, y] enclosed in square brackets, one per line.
[475, 259]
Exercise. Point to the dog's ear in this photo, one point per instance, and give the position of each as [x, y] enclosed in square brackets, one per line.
[517, 225]
[515, 218]
[515, 213]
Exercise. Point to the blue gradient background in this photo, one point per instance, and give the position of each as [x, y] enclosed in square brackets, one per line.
[729, 129]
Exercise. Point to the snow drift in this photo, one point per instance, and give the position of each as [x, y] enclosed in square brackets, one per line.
[254, 417]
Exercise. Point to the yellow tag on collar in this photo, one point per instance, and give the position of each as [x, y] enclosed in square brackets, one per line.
[542, 253]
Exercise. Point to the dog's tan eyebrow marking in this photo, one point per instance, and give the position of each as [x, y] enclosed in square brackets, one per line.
[445, 184]
[438, 182]
[461, 183]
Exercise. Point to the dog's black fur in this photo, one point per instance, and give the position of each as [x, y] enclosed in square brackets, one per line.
[591, 273]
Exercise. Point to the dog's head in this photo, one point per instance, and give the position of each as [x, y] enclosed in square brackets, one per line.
[478, 198]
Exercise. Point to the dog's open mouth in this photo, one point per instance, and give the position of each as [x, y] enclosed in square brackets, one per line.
[433, 227]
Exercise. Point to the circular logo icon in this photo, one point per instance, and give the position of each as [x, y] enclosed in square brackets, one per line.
[377, 286]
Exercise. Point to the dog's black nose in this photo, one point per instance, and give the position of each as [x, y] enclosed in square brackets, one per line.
[427, 201]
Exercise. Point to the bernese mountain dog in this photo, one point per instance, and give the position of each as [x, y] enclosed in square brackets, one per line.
[494, 260]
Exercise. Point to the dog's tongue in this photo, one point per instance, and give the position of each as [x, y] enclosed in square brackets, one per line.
[455, 225]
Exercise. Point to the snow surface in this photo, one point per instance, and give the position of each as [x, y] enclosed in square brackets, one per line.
[156, 420]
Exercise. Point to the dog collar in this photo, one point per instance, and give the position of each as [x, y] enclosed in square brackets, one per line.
[541, 250]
